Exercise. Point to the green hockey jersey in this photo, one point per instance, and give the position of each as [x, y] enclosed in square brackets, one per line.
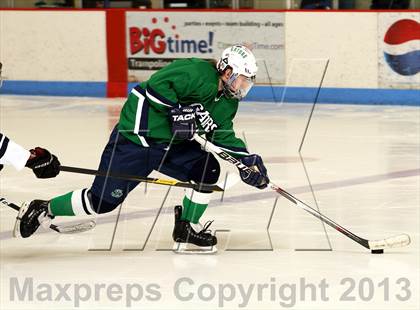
[186, 82]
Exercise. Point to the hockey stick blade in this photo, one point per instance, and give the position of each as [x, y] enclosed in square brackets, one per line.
[207, 187]
[389, 243]
[62, 229]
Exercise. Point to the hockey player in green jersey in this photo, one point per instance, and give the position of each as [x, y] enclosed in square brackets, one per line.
[155, 130]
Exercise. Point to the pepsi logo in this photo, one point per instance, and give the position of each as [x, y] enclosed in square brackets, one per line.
[402, 47]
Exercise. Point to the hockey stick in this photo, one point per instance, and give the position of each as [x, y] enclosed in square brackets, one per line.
[62, 229]
[206, 187]
[374, 245]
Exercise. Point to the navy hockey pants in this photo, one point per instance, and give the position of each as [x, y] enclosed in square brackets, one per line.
[185, 162]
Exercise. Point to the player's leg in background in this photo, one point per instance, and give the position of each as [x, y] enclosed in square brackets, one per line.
[120, 155]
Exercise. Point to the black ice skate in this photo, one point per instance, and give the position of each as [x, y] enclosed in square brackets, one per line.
[187, 240]
[30, 217]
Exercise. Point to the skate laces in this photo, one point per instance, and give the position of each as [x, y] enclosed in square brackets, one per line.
[205, 228]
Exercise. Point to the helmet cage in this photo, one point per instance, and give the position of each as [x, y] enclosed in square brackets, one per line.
[242, 91]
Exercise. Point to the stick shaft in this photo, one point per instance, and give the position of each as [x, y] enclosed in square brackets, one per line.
[206, 187]
[320, 216]
[210, 147]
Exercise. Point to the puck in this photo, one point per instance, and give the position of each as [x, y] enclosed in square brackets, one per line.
[377, 251]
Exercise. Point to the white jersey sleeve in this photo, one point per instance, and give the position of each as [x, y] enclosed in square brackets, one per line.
[12, 153]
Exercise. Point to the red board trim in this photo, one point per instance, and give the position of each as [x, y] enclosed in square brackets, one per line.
[212, 10]
[116, 55]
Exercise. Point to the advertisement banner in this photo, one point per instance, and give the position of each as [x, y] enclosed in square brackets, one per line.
[156, 39]
[399, 50]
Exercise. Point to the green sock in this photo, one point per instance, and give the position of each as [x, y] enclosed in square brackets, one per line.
[192, 211]
[70, 204]
[61, 205]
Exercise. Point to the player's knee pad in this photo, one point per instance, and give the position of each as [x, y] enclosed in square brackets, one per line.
[206, 170]
[101, 206]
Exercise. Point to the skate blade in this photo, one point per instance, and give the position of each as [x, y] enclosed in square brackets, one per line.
[188, 248]
[22, 210]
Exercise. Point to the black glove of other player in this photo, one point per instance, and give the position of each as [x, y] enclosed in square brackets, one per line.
[183, 122]
[258, 178]
[43, 163]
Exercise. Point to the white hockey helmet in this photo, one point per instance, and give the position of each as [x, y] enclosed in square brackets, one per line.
[240, 59]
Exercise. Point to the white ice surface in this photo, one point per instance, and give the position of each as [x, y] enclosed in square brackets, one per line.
[363, 164]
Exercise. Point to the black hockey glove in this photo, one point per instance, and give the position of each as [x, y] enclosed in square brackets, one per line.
[183, 122]
[43, 163]
[258, 178]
